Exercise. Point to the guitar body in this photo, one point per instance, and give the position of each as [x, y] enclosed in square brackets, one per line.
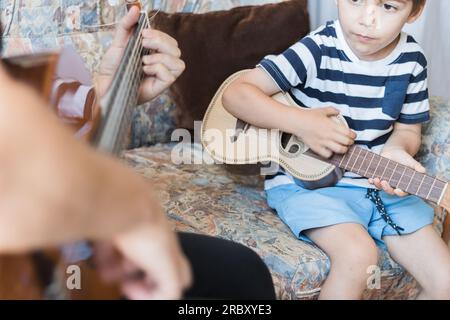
[43, 274]
[231, 141]
[69, 272]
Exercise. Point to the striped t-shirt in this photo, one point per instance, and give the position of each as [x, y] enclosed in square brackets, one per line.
[321, 71]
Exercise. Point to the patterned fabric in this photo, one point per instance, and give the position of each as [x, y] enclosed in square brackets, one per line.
[204, 198]
[210, 200]
[44, 25]
[435, 151]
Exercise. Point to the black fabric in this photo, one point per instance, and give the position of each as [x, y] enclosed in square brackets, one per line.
[374, 196]
[224, 269]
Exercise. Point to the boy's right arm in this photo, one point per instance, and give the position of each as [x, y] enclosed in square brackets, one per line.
[249, 98]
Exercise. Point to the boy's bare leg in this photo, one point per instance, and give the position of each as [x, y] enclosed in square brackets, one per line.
[351, 251]
[426, 257]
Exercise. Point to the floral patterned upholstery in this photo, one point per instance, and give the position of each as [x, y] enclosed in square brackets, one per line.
[43, 25]
[205, 198]
[208, 199]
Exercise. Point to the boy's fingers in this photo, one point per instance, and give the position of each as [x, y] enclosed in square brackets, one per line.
[387, 188]
[377, 183]
[343, 139]
[324, 152]
[420, 168]
[125, 26]
[346, 132]
[330, 111]
[337, 147]
[400, 193]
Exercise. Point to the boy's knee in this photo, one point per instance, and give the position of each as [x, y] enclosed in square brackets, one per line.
[440, 289]
[361, 255]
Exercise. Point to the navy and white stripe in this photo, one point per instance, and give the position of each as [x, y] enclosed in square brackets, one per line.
[321, 71]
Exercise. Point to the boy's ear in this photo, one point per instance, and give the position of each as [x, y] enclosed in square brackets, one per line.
[415, 15]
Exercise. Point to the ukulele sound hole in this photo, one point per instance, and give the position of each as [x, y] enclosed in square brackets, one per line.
[294, 148]
[285, 138]
[291, 145]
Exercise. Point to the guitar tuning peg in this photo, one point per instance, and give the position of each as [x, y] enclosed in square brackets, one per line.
[132, 3]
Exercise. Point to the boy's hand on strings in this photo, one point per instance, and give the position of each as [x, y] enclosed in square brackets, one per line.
[323, 134]
[401, 156]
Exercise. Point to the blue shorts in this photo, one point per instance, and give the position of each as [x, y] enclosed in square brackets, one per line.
[302, 209]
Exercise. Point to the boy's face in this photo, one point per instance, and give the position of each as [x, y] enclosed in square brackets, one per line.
[371, 27]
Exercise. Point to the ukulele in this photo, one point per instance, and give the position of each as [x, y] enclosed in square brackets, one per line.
[105, 123]
[232, 141]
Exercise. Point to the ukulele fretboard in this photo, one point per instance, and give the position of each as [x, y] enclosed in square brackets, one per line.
[370, 165]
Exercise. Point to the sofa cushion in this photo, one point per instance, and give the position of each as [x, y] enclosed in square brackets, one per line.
[435, 151]
[208, 199]
[216, 44]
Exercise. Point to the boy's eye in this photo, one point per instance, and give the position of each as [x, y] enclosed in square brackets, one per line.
[389, 7]
[356, 1]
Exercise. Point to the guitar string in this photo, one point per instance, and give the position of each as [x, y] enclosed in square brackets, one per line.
[119, 100]
[133, 75]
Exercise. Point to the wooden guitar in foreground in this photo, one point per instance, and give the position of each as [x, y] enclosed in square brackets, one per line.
[229, 140]
[47, 274]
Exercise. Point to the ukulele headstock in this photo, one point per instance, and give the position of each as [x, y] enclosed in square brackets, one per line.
[445, 203]
[445, 200]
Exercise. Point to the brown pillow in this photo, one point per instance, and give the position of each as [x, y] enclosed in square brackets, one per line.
[214, 45]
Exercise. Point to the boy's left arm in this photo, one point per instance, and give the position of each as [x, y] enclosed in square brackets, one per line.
[402, 146]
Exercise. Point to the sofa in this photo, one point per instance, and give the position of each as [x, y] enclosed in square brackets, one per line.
[198, 196]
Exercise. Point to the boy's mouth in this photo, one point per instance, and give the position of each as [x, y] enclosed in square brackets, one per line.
[363, 38]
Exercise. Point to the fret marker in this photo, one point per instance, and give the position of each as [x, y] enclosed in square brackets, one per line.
[431, 189]
[412, 178]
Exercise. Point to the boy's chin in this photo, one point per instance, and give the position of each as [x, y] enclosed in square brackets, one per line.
[366, 54]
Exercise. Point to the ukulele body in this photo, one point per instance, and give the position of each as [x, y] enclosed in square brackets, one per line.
[231, 141]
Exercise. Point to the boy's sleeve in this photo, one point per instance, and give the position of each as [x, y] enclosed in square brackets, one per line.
[416, 108]
[294, 66]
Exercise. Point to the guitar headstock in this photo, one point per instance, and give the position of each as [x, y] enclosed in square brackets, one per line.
[133, 3]
[35, 70]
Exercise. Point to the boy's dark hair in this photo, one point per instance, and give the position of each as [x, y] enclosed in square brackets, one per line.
[417, 4]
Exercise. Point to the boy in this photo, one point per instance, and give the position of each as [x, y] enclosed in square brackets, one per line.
[364, 67]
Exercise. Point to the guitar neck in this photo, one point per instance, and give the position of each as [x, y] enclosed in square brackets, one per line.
[370, 165]
[118, 104]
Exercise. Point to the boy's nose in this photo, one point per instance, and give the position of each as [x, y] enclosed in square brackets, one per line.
[369, 18]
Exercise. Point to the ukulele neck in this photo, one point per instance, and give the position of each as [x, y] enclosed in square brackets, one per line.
[370, 165]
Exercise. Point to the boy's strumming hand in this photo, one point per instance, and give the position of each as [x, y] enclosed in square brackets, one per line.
[401, 156]
[323, 134]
